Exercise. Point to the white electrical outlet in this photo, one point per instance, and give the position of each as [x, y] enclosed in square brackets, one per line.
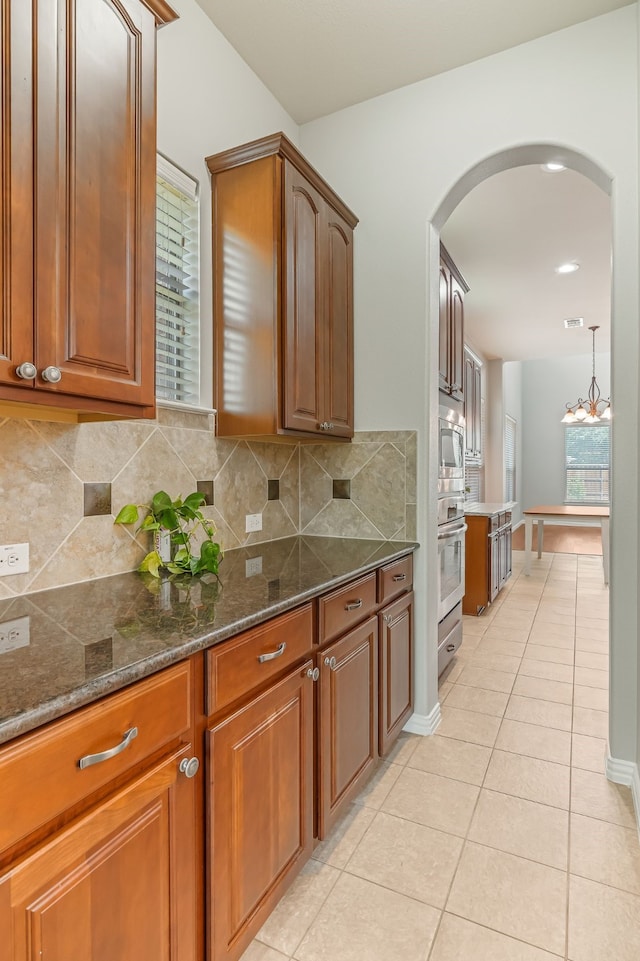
[253, 566]
[14, 634]
[253, 522]
[14, 559]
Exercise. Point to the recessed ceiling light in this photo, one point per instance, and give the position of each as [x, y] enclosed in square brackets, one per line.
[567, 268]
[553, 168]
[573, 322]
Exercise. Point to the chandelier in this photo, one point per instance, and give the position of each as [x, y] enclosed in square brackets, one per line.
[594, 408]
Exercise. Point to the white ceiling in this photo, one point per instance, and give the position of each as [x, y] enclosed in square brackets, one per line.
[318, 56]
[507, 236]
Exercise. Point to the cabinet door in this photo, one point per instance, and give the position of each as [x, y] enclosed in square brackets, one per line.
[505, 555]
[444, 328]
[338, 327]
[260, 809]
[120, 882]
[95, 197]
[469, 408]
[303, 304]
[16, 197]
[348, 722]
[396, 669]
[494, 565]
[472, 408]
[477, 409]
[456, 375]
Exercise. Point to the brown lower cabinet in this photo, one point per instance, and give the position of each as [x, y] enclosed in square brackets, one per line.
[396, 670]
[124, 846]
[487, 559]
[347, 720]
[260, 808]
[103, 870]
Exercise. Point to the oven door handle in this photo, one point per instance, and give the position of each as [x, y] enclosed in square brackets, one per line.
[449, 530]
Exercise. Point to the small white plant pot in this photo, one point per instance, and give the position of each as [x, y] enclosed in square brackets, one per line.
[162, 543]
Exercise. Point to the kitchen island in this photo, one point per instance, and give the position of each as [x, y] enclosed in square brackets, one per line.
[487, 554]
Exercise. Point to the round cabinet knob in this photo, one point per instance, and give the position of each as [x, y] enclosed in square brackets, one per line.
[52, 374]
[27, 371]
[189, 766]
[331, 663]
[313, 673]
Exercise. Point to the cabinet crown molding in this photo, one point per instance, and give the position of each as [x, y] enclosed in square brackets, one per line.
[280, 145]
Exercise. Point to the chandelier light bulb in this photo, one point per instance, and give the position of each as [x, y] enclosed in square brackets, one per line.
[597, 408]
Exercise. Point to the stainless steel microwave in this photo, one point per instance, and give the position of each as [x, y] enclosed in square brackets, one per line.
[450, 443]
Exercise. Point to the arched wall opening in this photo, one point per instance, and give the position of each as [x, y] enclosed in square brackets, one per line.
[623, 613]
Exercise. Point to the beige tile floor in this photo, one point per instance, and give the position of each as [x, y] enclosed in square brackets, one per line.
[499, 838]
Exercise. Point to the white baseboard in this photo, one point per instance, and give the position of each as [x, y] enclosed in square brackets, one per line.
[625, 772]
[424, 723]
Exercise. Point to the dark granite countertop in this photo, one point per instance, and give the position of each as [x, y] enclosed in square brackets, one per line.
[90, 639]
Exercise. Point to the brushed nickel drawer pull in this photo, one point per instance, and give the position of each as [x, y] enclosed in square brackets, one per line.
[354, 605]
[90, 759]
[399, 577]
[273, 654]
[450, 647]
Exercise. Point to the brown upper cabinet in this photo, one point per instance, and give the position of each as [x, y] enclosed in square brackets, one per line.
[453, 288]
[77, 257]
[283, 295]
[472, 409]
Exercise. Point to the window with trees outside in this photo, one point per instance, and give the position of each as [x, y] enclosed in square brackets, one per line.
[587, 459]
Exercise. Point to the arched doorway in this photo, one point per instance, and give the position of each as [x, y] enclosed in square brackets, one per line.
[623, 685]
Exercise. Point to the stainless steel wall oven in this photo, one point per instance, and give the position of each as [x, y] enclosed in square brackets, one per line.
[451, 532]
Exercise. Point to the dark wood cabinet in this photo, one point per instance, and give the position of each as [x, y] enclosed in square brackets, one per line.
[105, 860]
[77, 269]
[347, 721]
[452, 290]
[284, 350]
[472, 409]
[116, 883]
[140, 853]
[487, 559]
[395, 625]
[260, 808]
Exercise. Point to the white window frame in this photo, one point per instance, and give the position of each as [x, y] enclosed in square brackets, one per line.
[177, 311]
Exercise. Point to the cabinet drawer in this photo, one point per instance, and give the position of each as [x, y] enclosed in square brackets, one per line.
[494, 523]
[41, 775]
[243, 664]
[342, 609]
[395, 578]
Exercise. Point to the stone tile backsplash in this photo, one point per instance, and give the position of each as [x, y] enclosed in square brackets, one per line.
[54, 479]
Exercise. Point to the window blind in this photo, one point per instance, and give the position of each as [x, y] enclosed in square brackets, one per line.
[509, 458]
[177, 277]
[587, 459]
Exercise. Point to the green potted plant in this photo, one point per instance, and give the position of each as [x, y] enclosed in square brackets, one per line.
[174, 525]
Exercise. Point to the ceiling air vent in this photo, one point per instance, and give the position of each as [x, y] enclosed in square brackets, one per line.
[573, 322]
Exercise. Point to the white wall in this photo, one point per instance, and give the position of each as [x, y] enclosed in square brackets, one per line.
[514, 407]
[208, 100]
[547, 386]
[494, 442]
[401, 162]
